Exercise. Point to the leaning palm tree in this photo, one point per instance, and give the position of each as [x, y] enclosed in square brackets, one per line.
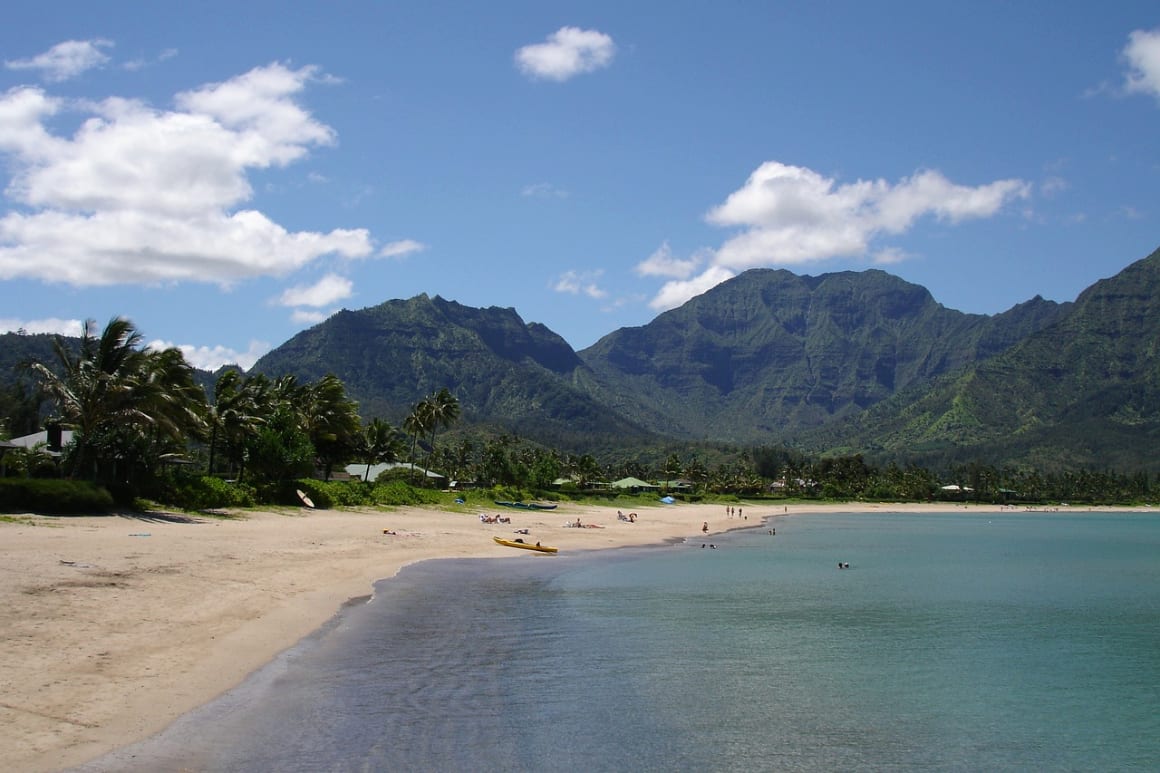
[380, 443]
[331, 421]
[225, 391]
[173, 402]
[94, 387]
[121, 400]
[256, 408]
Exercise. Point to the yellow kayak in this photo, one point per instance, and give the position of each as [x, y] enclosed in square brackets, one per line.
[511, 543]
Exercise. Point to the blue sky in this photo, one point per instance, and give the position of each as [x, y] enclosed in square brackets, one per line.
[228, 174]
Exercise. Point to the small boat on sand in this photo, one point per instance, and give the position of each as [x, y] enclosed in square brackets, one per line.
[518, 543]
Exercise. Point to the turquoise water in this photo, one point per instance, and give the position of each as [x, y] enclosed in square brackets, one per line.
[953, 642]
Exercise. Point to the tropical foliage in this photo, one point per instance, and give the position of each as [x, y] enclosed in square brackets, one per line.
[130, 407]
[137, 412]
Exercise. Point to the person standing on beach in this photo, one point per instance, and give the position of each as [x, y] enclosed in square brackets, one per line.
[705, 527]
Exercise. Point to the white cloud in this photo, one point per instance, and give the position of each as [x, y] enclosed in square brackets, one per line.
[139, 195]
[309, 317]
[65, 60]
[1143, 56]
[793, 215]
[213, 357]
[663, 263]
[790, 215]
[400, 248]
[324, 292]
[580, 283]
[569, 51]
[64, 327]
[674, 293]
[888, 256]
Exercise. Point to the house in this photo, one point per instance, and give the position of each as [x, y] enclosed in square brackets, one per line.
[38, 441]
[359, 471]
[633, 484]
[41, 438]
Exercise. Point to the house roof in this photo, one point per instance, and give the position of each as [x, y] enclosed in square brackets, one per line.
[360, 470]
[631, 482]
[37, 438]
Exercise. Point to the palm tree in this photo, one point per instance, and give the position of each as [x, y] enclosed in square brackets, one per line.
[380, 444]
[417, 424]
[94, 389]
[240, 408]
[225, 391]
[121, 400]
[588, 469]
[169, 395]
[90, 392]
[444, 411]
[331, 421]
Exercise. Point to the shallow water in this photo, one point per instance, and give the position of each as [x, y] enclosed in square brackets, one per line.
[953, 642]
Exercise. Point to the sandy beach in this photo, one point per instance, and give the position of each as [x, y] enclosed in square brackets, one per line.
[114, 626]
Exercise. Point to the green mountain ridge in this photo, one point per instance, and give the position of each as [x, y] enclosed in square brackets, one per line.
[503, 371]
[773, 353]
[1083, 390]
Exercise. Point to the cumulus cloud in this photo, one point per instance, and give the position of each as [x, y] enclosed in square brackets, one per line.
[213, 357]
[676, 292]
[664, 263]
[63, 327]
[141, 195]
[324, 292]
[569, 51]
[791, 215]
[65, 60]
[1142, 54]
[309, 316]
[580, 283]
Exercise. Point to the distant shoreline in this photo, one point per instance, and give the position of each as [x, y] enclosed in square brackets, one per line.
[116, 626]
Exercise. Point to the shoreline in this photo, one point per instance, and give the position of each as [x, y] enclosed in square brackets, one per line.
[115, 626]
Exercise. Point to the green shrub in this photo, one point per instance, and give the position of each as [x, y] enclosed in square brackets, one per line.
[53, 496]
[337, 493]
[205, 492]
[396, 493]
[208, 491]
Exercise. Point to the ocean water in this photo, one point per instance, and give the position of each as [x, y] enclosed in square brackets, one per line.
[1020, 641]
